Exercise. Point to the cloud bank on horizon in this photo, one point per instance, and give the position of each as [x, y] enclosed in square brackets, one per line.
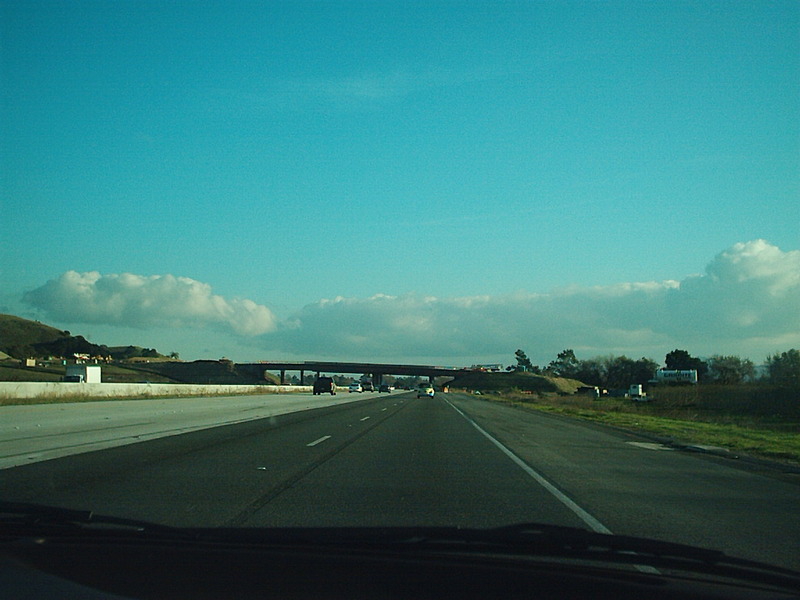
[145, 302]
[749, 296]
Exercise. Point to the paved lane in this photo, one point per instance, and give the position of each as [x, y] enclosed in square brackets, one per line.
[397, 460]
[205, 477]
[30, 433]
[635, 487]
[424, 466]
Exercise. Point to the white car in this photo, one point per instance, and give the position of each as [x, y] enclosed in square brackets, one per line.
[425, 390]
[355, 387]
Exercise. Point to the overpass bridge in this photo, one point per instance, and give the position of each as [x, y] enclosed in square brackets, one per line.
[374, 370]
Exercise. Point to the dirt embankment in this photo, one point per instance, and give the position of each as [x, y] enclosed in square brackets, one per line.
[198, 372]
[513, 381]
[208, 372]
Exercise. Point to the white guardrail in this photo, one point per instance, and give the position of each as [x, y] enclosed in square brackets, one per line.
[61, 389]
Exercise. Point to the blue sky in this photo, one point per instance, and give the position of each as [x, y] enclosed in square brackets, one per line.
[428, 181]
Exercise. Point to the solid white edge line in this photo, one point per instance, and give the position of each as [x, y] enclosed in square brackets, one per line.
[319, 441]
[563, 498]
[584, 516]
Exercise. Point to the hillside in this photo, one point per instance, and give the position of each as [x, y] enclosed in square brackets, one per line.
[56, 372]
[527, 382]
[220, 372]
[18, 332]
[22, 338]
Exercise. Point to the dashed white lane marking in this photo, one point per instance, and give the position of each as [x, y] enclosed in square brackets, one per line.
[364, 419]
[650, 445]
[319, 441]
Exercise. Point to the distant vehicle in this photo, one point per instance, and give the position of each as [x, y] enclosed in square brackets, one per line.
[589, 390]
[385, 387]
[367, 386]
[425, 390]
[635, 392]
[83, 373]
[324, 385]
[675, 376]
[355, 387]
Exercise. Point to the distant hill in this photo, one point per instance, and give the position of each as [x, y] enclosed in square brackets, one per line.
[219, 372]
[16, 331]
[22, 338]
[515, 380]
[128, 352]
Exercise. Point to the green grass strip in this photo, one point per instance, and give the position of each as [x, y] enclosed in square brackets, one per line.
[754, 441]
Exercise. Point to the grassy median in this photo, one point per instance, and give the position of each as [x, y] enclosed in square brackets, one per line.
[761, 421]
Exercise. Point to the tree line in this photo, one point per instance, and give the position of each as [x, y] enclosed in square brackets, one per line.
[620, 371]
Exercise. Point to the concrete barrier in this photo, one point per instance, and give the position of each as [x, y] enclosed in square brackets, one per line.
[60, 389]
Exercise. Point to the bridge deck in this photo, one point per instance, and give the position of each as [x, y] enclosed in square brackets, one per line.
[376, 370]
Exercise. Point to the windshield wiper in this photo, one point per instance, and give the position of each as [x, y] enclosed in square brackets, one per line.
[523, 538]
[574, 539]
[519, 542]
[535, 539]
[27, 518]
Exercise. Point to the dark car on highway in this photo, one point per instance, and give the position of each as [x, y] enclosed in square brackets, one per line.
[324, 385]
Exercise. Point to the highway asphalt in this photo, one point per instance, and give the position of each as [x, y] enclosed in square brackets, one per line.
[34, 432]
[450, 460]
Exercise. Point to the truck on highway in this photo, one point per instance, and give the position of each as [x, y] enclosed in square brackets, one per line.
[636, 393]
[83, 373]
[675, 376]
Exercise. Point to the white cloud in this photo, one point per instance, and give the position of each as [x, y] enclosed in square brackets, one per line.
[155, 301]
[750, 290]
[747, 301]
